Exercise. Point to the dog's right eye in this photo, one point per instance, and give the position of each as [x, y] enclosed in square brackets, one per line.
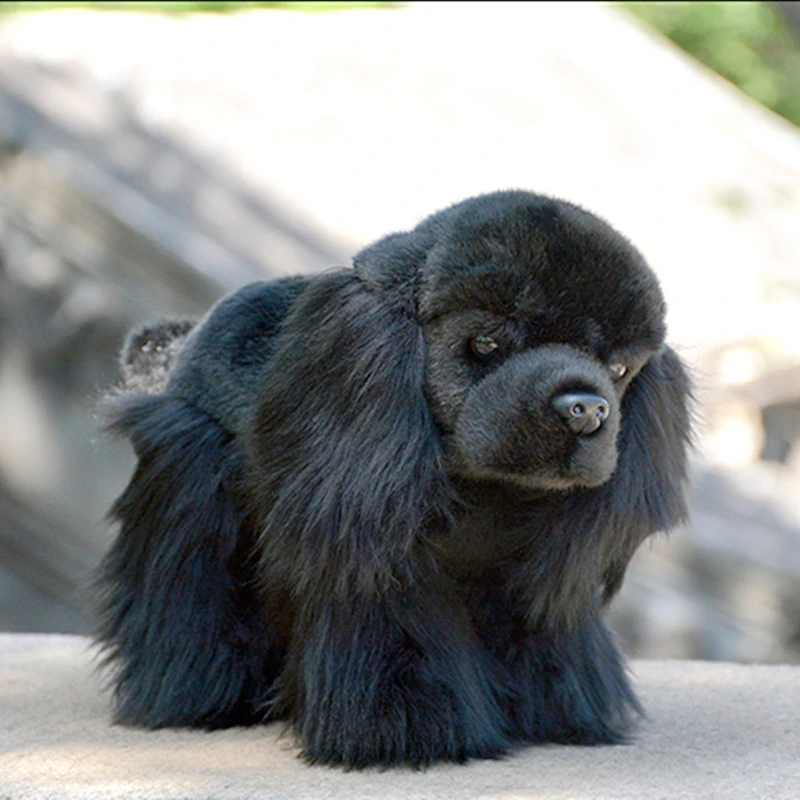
[483, 347]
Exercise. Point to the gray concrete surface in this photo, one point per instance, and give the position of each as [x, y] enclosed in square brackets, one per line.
[715, 732]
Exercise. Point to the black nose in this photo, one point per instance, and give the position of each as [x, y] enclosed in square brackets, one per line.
[583, 413]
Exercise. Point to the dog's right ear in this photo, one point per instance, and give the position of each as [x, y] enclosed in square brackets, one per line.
[346, 464]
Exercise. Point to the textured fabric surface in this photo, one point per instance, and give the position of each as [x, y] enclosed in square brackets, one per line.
[713, 731]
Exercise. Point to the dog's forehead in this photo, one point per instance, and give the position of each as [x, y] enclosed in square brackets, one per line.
[540, 259]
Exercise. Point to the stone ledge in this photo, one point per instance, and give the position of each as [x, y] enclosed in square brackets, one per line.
[714, 731]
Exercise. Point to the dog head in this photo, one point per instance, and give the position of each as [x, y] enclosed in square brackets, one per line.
[537, 318]
[511, 340]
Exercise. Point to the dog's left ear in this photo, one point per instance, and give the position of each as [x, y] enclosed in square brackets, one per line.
[647, 492]
[347, 466]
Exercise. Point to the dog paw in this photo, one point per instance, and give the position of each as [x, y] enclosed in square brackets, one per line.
[413, 724]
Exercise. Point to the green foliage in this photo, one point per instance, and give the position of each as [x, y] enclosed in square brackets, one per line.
[188, 7]
[748, 43]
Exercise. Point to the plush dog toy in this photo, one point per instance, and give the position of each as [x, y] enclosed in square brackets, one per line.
[389, 503]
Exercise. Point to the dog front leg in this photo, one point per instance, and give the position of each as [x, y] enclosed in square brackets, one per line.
[380, 680]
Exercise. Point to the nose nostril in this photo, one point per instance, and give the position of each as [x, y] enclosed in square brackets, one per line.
[583, 413]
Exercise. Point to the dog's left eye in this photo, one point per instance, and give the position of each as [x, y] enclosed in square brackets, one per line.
[483, 347]
[618, 369]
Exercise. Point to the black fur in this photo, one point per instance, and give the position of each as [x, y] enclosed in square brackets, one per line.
[348, 515]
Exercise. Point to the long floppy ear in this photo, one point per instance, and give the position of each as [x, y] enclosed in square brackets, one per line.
[648, 489]
[347, 467]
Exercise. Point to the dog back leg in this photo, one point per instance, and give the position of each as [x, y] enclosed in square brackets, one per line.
[182, 621]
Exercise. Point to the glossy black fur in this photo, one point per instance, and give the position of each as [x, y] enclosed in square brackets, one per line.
[344, 517]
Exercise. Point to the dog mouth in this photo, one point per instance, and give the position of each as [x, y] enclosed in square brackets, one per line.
[579, 472]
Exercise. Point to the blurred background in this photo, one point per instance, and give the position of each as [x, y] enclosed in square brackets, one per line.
[152, 159]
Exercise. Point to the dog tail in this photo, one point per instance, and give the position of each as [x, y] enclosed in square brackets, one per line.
[150, 352]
